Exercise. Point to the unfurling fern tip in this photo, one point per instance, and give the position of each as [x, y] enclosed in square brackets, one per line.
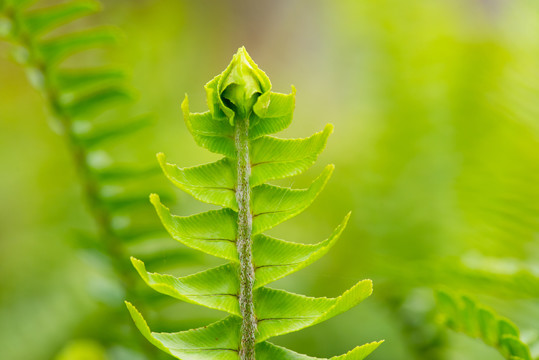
[243, 113]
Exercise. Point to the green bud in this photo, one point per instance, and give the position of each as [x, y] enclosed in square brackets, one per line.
[236, 91]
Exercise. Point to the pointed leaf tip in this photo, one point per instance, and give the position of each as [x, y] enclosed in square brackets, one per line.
[371, 285]
[185, 104]
[280, 312]
[329, 128]
[155, 200]
[143, 327]
[161, 158]
[134, 260]
[276, 258]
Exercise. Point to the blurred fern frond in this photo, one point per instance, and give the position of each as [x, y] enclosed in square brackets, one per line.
[77, 96]
[463, 314]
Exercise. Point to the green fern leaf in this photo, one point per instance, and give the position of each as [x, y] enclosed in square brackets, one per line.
[274, 158]
[39, 21]
[70, 80]
[95, 102]
[463, 314]
[59, 48]
[243, 113]
[119, 174]
[97, 136]
[268, 351]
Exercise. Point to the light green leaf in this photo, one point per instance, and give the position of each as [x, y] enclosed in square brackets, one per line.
[218, 341]
[273, 158]
[69, 80]
[280, 312]
[268, 351]
[213, 232]
[276, 117]
[215, 288]
[97, 136]
[143, 327]
[57, 49]
[274, 259]
[212, 183]
[120, 173]
[97, 101]
[39, 21]
[360, 352]
[273, 204]
[214, 135]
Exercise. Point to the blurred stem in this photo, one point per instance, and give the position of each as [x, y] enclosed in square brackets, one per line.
[245, 220]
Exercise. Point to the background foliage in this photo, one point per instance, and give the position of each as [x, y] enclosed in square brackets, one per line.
[435, 146]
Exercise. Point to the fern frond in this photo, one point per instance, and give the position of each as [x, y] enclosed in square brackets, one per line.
[463, 314]
[243, 113]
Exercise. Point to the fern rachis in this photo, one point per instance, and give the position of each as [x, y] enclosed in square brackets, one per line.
[243, 242]
[243, 112]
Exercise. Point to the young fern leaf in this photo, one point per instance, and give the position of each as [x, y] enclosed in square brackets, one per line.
[463, 314]
[243, 112]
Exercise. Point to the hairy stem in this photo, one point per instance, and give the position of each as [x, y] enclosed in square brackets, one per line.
[245, 224]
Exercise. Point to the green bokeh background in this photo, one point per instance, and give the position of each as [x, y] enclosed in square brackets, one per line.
[436, 146]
